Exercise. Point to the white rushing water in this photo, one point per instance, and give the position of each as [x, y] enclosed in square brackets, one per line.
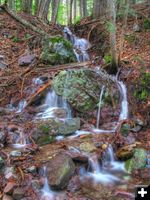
[124, 101]
[80, 45]
[47, 193]
[99, 106]
[53, 104]
[106, 172]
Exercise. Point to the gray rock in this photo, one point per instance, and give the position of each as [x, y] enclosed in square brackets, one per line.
[59, 170]
[87, 147]
[69, 126]
[18, 193]
[31, 169]
[138, 161]
[9, 172]
[26, 60]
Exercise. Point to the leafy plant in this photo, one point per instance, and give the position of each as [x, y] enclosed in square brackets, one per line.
[108, 58]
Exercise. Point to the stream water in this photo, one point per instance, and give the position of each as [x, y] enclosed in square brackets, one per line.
[109, 171]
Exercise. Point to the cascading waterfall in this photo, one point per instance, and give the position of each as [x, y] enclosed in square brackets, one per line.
[99, 106]
[46, 190]
[80, 45]
[104, 173]
[124, 102]
[52, 103]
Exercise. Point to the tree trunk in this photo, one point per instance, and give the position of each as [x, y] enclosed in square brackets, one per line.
[54, 10]
[70, 15]
[74, 9]
[27, 6]
[84, 2]
[46, 10]
[99, 8]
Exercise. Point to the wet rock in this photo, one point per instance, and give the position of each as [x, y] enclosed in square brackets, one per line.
[69, 126]
[31, 169]
[87, 147]
[9, 188]
[18, 193]
[7, 197]
[78, 157]
[138, 161]
[47, 129]
[15, 153]
[59, 170]
[57, 50]
[9, 173]
[26, 60]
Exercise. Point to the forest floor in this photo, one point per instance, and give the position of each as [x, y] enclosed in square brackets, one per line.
[17, 40]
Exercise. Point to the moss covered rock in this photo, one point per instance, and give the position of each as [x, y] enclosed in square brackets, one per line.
[59, 170]
[138, 161]
[57, 50]
[81, 88]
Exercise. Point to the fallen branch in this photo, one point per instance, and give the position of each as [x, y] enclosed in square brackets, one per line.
[37, 93]
[24, 22]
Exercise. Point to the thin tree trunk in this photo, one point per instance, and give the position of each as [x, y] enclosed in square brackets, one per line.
[46, 9]
[84, 2]
[70, 15]
[74, 9]
[27, 6]
[55, 10]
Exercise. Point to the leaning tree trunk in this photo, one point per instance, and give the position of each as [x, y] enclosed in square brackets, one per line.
[54, 10]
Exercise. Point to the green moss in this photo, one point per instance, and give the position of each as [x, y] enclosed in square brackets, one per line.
[147, 23]
[138, 161]
[57, 50]
[45, 128]
[141, 91]
[46, 139]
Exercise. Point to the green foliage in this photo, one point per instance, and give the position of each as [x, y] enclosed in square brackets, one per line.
[147, 23]
[15, 39]
[142, 89]
[108, 58]
[110, 27]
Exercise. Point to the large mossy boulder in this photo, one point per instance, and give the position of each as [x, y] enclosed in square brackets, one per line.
[138, 161]
[56, 50]
[59, 170]
[81, 88]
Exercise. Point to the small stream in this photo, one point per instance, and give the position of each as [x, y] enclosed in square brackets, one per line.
[109, 170]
